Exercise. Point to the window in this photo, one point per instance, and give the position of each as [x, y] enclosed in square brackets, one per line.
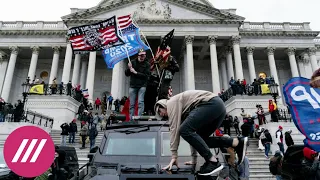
[184, 147]
[135, 144]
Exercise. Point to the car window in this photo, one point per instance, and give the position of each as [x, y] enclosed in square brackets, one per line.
[184, 147]
[140, 144]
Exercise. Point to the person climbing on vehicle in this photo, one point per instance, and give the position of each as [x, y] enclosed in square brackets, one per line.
[195, 115]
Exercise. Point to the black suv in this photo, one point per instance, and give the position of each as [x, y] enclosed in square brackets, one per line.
[140, 151]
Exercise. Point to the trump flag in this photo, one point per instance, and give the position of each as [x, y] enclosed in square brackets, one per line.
[304, 105]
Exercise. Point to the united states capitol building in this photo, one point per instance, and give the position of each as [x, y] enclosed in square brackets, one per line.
[211, 46]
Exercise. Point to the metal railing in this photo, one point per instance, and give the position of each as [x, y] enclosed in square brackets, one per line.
[284, 115]
[225, 96]
[58, 89]
[27, 116]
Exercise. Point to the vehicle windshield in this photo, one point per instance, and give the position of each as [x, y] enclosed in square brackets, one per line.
[134, 144]
[2, 161]
[184, 147]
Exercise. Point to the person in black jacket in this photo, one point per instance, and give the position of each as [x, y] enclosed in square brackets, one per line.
[266, 140]
[288, 138]
[69, 88]
[65, 132]
[245, 128]
[139, 72]
[72, 131]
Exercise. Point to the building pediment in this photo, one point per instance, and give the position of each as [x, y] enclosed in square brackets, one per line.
[152, 10]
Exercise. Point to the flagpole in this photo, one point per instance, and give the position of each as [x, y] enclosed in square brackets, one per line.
[121, 37]
[145, 38]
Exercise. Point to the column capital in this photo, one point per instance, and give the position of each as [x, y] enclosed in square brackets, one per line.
[270, 50]
[56, 49]
[290, 51]
[312, 51]
[189, 39]
[35, 49]
[228, 49]
[14, 49]
[3, 56]
[250, 50]
[235, 40]
[302, 59]
[212, 39]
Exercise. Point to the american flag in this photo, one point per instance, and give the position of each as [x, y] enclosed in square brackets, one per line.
[95, 37]
[125, 23]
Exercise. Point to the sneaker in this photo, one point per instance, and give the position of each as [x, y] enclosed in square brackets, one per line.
[210, 168]
[241, 149]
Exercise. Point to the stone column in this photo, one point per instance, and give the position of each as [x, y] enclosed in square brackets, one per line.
[9, 75]
[67, 64]
[237, 57]
[313, 58]
[214, 65]
[84, 68]
[90, 75]
[293, 63]
[33, 63]
[229, 63]
[307, 64]
[224, 75]
[3, 68]
[273, 67]
[116, 81]
[185, 71]
[190, 65]
[252, 69]
[55, 63]
[302, 70]
[76, 70]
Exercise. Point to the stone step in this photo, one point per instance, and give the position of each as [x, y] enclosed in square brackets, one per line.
[262, 177]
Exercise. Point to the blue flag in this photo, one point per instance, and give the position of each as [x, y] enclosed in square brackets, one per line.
[304, 105]
[133, 44]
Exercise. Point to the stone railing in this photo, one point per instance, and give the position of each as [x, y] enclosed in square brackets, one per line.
[317, 40]
[32, 25]
[269, 26]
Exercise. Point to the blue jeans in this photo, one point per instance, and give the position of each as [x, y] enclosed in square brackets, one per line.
[133, 92]
[281, 148]
[63, 140]
[2, 117]
[92, 143]
[278, 177]
[267, 149]
[71, 137]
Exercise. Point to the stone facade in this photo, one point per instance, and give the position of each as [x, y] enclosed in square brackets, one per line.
[211, 46]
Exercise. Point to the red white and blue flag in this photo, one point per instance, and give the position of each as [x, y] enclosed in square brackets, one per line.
[130, 34]
[304, 105]
[95, 37]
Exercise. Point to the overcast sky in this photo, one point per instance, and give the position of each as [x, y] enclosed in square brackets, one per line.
[252, 10]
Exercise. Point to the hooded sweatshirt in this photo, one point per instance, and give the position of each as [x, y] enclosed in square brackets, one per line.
[176, 107]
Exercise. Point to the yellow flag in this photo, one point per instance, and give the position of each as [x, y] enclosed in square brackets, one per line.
[265, 89]
[36, 89]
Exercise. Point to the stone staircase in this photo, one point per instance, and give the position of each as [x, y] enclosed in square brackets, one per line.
[259, 165]
[81, 153]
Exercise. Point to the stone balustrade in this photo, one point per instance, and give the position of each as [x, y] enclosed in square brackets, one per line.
[269, 26]
[317, 40]
[32, 25]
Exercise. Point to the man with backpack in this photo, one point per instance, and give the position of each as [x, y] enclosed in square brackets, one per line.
[65, 132]
[266, 140]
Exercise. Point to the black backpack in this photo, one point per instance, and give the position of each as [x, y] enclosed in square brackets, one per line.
[275, 165]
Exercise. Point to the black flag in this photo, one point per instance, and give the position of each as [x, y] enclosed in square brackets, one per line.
[167, 40]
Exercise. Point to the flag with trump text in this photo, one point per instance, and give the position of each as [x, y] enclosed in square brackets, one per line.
[304, 105]
[95, 37]
[131, 37]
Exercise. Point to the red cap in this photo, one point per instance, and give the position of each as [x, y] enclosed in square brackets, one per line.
[74, 120]
[309, 153]
[280, 127]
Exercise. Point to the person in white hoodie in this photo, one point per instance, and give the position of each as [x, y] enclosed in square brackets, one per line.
[195, 115]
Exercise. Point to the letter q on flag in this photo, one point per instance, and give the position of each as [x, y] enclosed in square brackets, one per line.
[29, 151]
